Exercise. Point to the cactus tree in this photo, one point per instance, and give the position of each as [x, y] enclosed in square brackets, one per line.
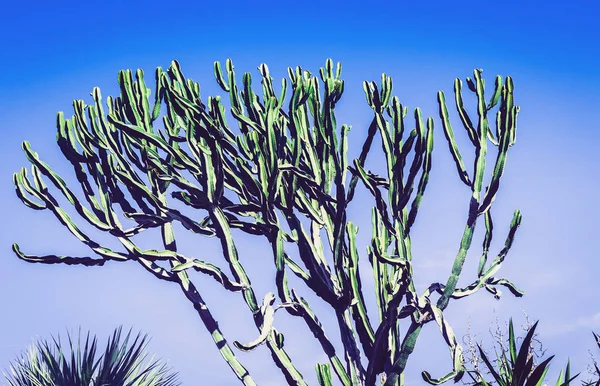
[282, 174]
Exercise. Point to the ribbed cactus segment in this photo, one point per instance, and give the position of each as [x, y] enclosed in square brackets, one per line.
[278, 168]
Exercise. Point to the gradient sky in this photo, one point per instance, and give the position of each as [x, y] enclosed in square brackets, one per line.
[53, 54]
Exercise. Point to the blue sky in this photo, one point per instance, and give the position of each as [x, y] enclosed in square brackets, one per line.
[53, 54]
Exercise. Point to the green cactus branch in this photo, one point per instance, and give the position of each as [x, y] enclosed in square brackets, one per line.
[281, 173]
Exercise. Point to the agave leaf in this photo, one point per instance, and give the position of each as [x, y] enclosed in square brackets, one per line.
[537, 376]
[500, 380]
[512, 344]
[521, 365]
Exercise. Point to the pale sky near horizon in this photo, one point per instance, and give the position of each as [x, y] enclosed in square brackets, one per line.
[54, 54]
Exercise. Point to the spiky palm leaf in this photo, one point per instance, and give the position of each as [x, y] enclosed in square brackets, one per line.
[596, 369]
[517, 368]
[121, 364]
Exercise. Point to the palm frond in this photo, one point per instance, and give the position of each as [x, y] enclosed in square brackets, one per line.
[122, 363]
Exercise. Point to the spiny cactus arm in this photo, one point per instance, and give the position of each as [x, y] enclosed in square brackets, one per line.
[180, 270]
[155, 140]
[495, 97]
[487, 240]
[41, 192]
[510, 238]
[335, 161]
[311, 187]
[23, 187]
[379, 355]
[424, 179]
[146, 259]
[460, 258]
[303, 310]
[267, 313]
[371, 185]
[156, 270]
[314, 325]
[56, 259]
[181, 262]
[318, 331]
[44, 168]
[297, 270]
[211, 325]
[455, 349]
[351, 351]
[481, 148]
[64, 218]
[375, 254]
[449, 133]
[75, 131]
[507, 132]
[408, 345]
[138, 137]
[194, 296]
[323, 374]
[364, 328]
[485, 277]
[478, 205]
[230, 253]
[371, 131]
[462, 112]
[378, 101]
[403, 192]
[141, 190]
[321, 281]
[276, 240]
[397, 149]
[386, 335]
[211, 270]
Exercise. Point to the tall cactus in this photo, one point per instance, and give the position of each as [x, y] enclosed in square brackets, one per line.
[288, 171]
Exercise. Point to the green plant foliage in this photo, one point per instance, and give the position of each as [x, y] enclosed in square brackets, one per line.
[516, 368]
[596, 370]
[281, 174]
[122, 364]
